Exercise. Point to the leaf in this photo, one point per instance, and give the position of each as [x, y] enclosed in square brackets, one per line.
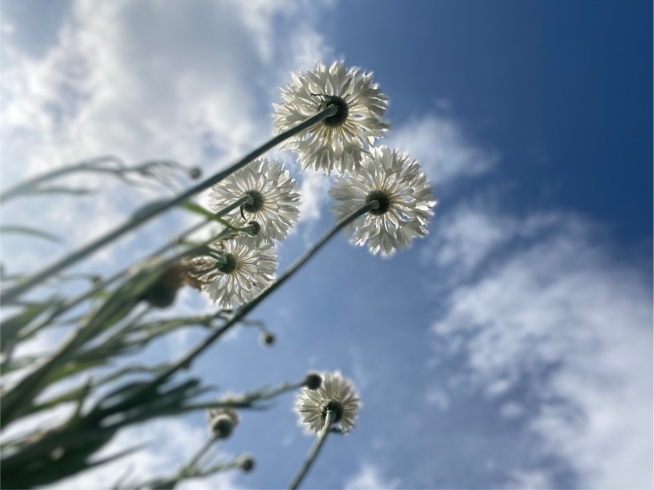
[25, 230]
[10, 328]
[18, 363]
[60, 190]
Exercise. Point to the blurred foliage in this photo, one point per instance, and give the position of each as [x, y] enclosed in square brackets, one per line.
[85, 387]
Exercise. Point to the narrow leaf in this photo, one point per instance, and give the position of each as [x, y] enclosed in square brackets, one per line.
[24, 230]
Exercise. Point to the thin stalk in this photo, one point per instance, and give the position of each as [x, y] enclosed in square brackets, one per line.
[186, 361]
[85, 166]
[313, 452]
[13, 399]
[72, 302]
[189, 467]
[13, 293]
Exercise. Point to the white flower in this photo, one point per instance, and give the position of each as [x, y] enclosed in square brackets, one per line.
[236, 273]
[275, 195]
[335, 393]
[404, 196]
[340, 140]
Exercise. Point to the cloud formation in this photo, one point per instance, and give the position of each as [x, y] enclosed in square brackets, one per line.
[560, 331]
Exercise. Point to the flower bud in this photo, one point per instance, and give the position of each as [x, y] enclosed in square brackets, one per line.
[247, 462]
[312, 381]
[222, 427]
[267, 338]
[161, 294]
[222, 422]
[255, 228]
[195, 173]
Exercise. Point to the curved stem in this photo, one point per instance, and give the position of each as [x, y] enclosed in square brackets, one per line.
[196, 457]
[13, 293]
[245, 309]
[313, 452]
[15, 397]
[72, 302]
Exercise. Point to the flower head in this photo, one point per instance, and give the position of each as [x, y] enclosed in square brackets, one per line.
[236, 273]
[404, 196]
[222, 421]
[275, 199]
[339, 141]
[335, 394]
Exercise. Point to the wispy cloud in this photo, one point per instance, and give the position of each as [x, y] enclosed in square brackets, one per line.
[551, 310]
[443, 148]
[189, 81]
[370, 477]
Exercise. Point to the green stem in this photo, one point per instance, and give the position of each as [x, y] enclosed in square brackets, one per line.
[72, 302]
[13, 293]
[196, 457]
[26, 388]
[186, 361]
[313, 452]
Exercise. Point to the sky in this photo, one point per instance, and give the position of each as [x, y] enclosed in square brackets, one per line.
[510, 348]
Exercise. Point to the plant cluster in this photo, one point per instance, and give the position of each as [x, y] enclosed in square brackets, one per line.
[331, 117]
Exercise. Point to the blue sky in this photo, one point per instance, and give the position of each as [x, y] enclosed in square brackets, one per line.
[510, 348]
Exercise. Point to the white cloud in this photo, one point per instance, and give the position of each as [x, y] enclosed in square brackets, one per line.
[437, 397]
[191, 81]
[369, 477]
[532, 480]
[552, 299]
[442, 148]
[314, 195]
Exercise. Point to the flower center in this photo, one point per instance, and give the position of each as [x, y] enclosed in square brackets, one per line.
[341, 113]
[229, 264]
[334, 406]
[383, 199]
[255, 228]
[257, 202]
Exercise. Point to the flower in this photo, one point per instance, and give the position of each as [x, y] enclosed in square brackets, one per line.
[275, 199]
[236, 273]
[404, 196]
[222, 421]
[335, 393]
[339, 140]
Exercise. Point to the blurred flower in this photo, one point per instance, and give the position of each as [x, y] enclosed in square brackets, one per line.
[336, 394]
[275, 195]
[236, 273]
[246, 462]
[162, 293]
[338, 141]
[404, 196]
[222, 421]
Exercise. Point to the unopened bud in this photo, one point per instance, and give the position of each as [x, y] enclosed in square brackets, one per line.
[312, 381]
[255, 228]
[222, 427]
[162, 293]
[222, 422]
[195, 173]
[247, 463]
[267, 338]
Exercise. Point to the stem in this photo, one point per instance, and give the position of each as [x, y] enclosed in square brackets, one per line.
[196, 457]
[313, 452]
[66, 305]
[13, 293]
[12, 399]
[186, 361]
